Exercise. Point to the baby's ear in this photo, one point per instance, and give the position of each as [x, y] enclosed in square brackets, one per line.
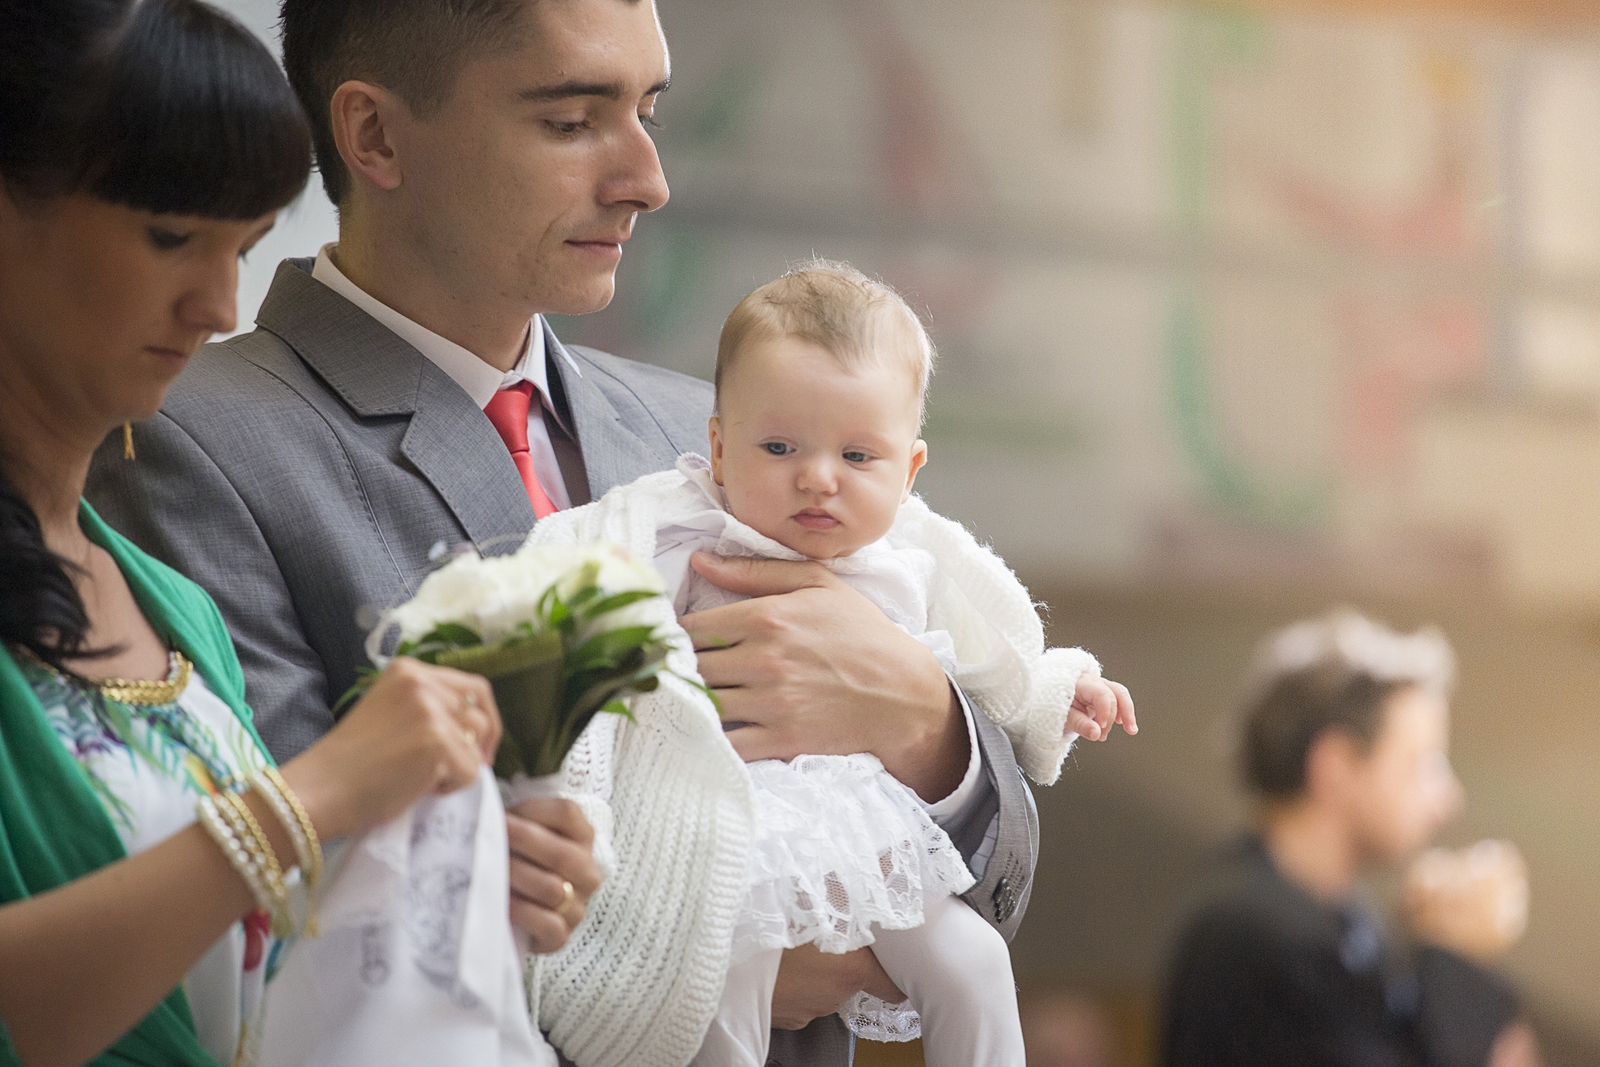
[919, 459]
[714, 432]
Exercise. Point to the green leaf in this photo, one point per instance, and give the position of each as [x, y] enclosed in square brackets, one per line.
[617, 601]
[618, 707]
[609, 649]
[452, 635]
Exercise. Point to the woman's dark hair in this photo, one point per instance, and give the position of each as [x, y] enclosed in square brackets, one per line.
[166, 106]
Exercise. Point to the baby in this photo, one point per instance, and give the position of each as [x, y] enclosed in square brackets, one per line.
[821, 377]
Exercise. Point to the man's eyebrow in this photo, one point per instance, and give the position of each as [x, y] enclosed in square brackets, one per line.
[568, 89]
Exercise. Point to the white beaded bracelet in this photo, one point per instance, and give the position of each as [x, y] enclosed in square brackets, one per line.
[245, 826]
[239, 857]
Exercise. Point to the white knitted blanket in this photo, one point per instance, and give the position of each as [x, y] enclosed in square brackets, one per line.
[671, 802]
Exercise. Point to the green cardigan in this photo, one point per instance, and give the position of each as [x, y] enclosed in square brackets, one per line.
[53, 828]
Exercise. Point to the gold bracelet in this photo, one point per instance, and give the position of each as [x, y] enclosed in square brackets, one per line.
[308, 849]
[311, 862]
[239, 858]
[246, 826]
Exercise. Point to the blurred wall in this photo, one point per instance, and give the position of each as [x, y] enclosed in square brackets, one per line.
[1240, 312]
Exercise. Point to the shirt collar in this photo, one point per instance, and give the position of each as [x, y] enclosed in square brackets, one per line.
[478, 379]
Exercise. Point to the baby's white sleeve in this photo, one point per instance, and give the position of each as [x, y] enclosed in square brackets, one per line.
[1045, 739]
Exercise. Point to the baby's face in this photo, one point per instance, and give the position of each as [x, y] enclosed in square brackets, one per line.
[814, 455]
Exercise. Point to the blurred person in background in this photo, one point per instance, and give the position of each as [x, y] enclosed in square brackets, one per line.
[1287, 962]
[1067, 1029]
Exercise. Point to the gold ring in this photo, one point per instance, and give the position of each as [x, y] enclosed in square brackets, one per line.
[568, 895]
[471, 735]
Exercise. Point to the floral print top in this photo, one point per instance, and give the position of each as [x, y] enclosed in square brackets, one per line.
[149, 765]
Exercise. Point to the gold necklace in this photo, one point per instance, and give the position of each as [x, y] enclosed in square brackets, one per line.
[150, 694]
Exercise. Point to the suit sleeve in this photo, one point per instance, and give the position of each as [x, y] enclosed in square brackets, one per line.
[1464, 1008]
[997, 830]
[175, 503]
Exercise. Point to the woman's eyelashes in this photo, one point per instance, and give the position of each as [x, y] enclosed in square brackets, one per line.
[167, 240]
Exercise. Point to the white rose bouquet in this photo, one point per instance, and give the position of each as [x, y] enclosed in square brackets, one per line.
[550, 626]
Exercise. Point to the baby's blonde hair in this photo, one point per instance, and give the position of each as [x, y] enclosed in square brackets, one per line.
[855, 318]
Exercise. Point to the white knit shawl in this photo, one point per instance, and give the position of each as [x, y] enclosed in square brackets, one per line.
[640, 980]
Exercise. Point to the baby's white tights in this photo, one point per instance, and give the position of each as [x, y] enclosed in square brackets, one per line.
[955, 969]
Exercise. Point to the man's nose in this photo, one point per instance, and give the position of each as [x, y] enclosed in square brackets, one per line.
[637, 180]
[212, 303]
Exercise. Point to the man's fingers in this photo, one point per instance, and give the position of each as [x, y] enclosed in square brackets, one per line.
[759, 577]
[546, 930]
[546, 850]
[754, 743]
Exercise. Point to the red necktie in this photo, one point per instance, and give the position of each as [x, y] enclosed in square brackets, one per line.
[508, 411]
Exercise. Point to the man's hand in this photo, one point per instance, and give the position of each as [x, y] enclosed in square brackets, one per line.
[552, 847]
[1097, 706]
[1473, 902]
[811, 666]
[812, 983]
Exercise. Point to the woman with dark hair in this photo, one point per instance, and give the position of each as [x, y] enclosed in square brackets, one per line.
[149, 852]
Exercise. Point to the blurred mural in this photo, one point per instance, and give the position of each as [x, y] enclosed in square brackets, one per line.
[1239, 312]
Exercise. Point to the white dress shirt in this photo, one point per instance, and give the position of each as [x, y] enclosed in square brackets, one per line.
[478, 379]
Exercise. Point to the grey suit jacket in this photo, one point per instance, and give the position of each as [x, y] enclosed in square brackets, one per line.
[304, 473]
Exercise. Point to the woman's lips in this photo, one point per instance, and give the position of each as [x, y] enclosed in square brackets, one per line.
[815, 519]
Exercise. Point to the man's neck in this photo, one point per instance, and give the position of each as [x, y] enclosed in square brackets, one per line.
[392, 273]
[1312, 848]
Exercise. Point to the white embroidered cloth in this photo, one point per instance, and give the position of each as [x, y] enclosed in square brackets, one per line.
[416, 963]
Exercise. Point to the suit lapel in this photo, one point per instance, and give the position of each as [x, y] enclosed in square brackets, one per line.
[612, 453]
[376, 374]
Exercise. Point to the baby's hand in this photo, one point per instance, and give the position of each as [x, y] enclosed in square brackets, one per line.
[1097, 706]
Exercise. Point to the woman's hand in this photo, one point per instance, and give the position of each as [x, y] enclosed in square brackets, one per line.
[420, 730]
[552, 849]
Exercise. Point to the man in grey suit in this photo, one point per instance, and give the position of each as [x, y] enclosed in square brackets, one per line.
[489, 159]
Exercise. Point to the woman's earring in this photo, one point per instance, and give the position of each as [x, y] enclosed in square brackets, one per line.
[127, 440]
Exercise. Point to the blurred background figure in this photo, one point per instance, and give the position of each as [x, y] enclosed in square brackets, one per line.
[1286, 961]
[1242, 309]
[1068, 1029]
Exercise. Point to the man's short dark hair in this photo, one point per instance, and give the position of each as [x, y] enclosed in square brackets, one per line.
[1334, 673]
[413, 48]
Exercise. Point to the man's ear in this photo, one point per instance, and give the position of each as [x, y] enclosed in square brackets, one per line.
[363, 119]
[714, 430]
[919, 459]
[1332, 762]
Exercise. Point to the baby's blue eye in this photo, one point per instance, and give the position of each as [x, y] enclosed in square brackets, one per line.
[855, 457]
[777, 448]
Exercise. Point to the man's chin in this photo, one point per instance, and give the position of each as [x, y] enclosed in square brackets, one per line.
[583, 299]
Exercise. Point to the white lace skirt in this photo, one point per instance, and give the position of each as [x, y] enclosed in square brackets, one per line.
[840, 846]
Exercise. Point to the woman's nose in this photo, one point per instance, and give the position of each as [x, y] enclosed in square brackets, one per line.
[212, 304]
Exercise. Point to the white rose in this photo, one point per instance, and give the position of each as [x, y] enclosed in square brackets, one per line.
[450, 594]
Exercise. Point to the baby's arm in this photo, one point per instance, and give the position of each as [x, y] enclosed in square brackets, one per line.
[1098, 704]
